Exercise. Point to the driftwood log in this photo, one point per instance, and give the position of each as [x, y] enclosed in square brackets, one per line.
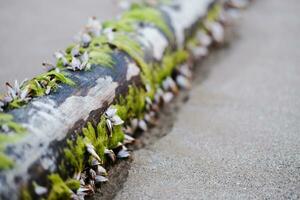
[52, 119]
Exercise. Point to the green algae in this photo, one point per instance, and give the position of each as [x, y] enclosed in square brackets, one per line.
[5, 139]
[38, 86]
[101, 58]
[74, 154]
[133, 105]
[214, 13]
[25, 194]
[73, 184]
[5, 162]
[169, 62]
[96, 137]
[122, 25]
[132, 48]
[59, 189]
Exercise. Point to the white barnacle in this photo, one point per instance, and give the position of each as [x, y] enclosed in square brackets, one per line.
[48, 89]
[124, 4]
[40, 190]
[75, 64]
[93, 26]
[1, 106]
[110, 154]
[204, 38]
[158, 95]
[167, 97]
[85, 191]
[111, 114]
[15, 92]
[169, 84]
[109, 34]
[75, 51]
[100, 170]
[128, 139]
[61, 56]
[24, 94]
[84, 58]
[150, 119]
[186, 71]
[216, 30]
[143, 125]
[85, 39]
[92, 173]
[123, 153]
[239, 3]
[116, 120]
[112, 119]
[5, 128]
[183, 82]
[109, 127]
[91, 149]
[100, 179]
[80, 63]
[200, 51]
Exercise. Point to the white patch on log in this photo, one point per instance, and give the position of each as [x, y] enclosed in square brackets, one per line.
[190, 11]
[132, 70]
[157, 40]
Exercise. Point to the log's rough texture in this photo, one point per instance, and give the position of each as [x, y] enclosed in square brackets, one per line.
[52, 119]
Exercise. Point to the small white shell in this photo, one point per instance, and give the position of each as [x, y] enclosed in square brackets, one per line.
[110, 112]
[1, 106]
[100, 179]
[75, 51]
[142, 125]
[123, 154]
[183, 82]
[5, 128]
[185, 71]
[148, 118]
[204, 39]
[101, 171]
[75, 64]
[40, 190]
[134, 124]
[199, 52]
[109, 127]
[167, 97]
[124, 4]
[110, 154]
[128, 139]
[48, 90]
[93, 26]
[92, 173]
[216, 30]
[116, 120]
[85, 39]
[91, 149]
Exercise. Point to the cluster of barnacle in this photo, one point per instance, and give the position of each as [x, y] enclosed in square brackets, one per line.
[210, 30]
[19, 94]
[75, 58]
[93, 47]
[87, 156]
[117, 128]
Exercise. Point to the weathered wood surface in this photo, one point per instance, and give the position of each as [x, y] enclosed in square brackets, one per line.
[53, 118]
